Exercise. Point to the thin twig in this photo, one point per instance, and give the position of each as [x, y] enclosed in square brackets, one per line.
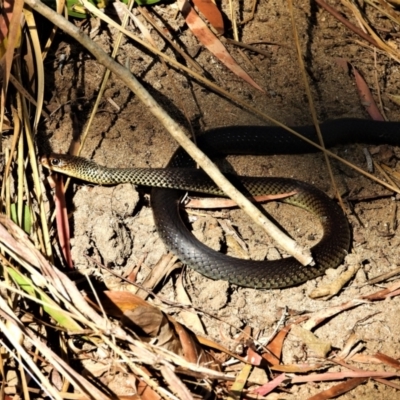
[346, 22]
[248, 47]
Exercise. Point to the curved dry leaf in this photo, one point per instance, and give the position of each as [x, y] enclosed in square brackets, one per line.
[190, 318]
[155, 324]
[136, 312]
[192, 349]
[363, 90]
[180, 389]
[366, 97]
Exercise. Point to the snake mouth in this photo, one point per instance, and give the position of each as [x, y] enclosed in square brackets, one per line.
[45, 161]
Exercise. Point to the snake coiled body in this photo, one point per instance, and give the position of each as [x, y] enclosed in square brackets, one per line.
[181, 176]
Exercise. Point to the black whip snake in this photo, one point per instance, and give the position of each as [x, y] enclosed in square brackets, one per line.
[169, 183]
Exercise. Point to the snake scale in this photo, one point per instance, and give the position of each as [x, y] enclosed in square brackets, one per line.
[168, 184]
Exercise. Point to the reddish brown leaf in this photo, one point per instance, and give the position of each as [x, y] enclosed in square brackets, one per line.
[335, 376]
[116, 303]
[145, 392]
[62, 220]
[339, 389]
[275, 346]
[367, 98]
[384, 293]
[211, 13]
[211, 42]
[363, 90]
[253, 357]
[388, 360]
[270, 386]
[216, 202]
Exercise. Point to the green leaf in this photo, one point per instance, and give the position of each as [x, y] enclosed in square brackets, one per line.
[49, 305]
[26, 217]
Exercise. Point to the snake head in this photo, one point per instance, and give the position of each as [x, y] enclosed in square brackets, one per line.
[72, 166]
[56, 162]
[83, 169]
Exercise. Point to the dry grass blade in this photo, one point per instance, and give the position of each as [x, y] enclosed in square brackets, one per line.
[76, 148]
[9, 332]
[146, 14]
[17, 245]
[381, 44]
[76, 379]
[23, 137]
[39, 73]
[62, 222]
[25, 93]
[14, 324]
[346, 22]
[384, 8]
[13, 41]
[241, 381]
[311, 103]
[146, 34]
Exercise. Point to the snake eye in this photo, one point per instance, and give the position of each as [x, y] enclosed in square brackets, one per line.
[55, 161]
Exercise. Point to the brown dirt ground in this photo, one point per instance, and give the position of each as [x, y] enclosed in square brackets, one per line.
[114, 225]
